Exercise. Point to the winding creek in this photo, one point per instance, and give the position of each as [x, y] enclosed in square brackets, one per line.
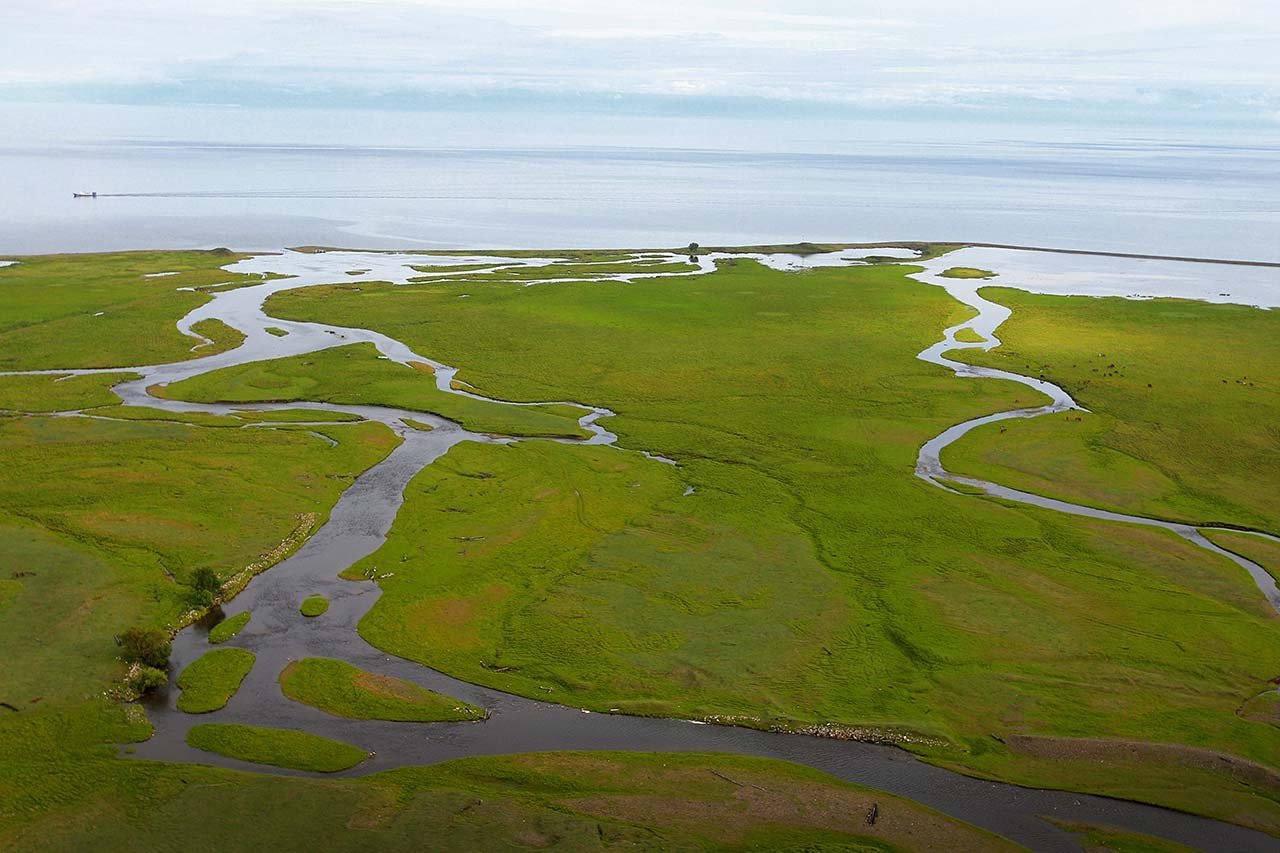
[359, 522]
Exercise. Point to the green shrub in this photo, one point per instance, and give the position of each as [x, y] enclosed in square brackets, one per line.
[204, 581]
[147, 646]
[148, 678]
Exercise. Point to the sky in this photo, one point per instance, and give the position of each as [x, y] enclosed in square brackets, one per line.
[1160, 61]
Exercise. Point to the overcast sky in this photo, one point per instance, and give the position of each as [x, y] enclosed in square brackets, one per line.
[1193, 61]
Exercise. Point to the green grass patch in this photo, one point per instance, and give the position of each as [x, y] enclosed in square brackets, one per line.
[229, 627]
[966, 272]
[355, 374]
[969, 336]
[1098, 838]
[277, 747]
[1181, 394]
[60, 392]
[105, 521]
[66, 791]
[147, 413]
[341, 689]
[1265, 552]
[285, 416]
[314, 605]
[100, 310]
[277, 331]
[221, 336]
[210, 681]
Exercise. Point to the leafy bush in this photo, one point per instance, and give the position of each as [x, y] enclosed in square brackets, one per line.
[147, 646]
[204, 581]
[148, 678]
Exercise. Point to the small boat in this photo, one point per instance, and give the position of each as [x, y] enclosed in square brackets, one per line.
[84, 195]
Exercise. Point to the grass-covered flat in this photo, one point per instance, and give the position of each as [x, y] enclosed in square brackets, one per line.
[277, 747]
[104, 522]
[344, 690]
[210, 681]
[65, 791]
[1180, 396]
[1265, 552]
[356, 374]
[107, 310]
[59, 392]
[810, 579]
[229, 627]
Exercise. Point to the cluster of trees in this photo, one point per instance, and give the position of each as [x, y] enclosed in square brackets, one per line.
[150, 649]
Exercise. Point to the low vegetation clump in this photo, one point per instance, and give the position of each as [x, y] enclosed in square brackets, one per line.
[314, 605]
[346, 691]
[210, 681]
[277, 747]
[967, 272]
[229, 627]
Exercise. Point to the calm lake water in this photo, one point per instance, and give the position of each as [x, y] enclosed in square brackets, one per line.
[253, 179]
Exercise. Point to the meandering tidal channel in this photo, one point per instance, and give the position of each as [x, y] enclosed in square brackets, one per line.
[359, 523]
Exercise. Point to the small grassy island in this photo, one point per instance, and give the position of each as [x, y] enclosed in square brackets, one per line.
[278, 747]
[229, 627]
[966, 272]
[314, 605]
[210, 681]
[343, 690]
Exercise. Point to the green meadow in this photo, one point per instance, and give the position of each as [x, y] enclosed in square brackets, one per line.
[104, 523]
[102, 310]
[1183, 399]
[810, 580]
[64, 790]
[1264, 552]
